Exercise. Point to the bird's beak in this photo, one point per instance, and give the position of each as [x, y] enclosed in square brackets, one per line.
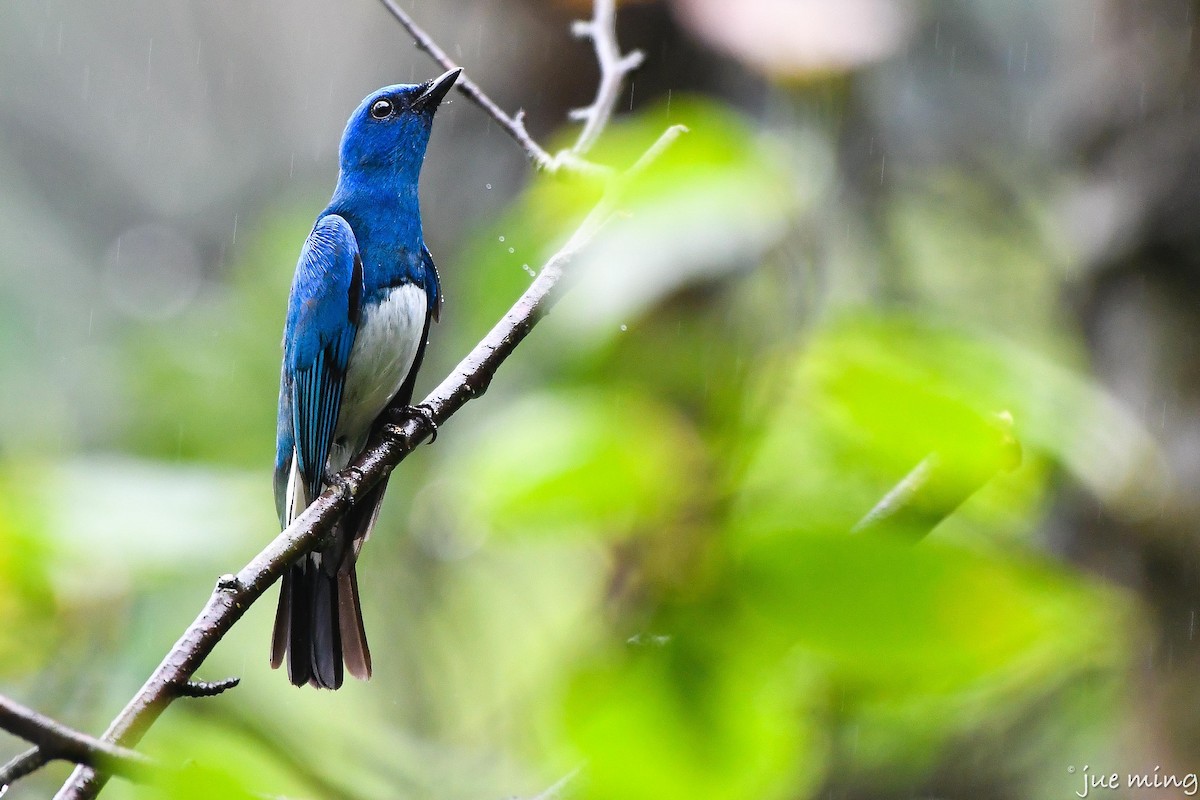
[435, 90]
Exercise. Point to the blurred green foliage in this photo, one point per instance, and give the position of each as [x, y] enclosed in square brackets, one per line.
[747, 630]
[27, 601]
[204, 387]
[637, 459]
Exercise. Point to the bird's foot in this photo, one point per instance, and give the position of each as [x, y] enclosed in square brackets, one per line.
[347, 481]
[421, 412]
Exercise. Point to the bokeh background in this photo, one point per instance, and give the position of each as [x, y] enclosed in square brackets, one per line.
[891, 224]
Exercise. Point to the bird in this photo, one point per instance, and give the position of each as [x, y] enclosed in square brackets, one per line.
[362, 300]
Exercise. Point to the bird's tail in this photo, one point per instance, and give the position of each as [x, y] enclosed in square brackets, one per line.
[318, 623]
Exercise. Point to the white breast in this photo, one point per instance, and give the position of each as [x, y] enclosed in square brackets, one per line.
[389, 336]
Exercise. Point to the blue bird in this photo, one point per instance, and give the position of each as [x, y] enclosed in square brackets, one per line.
[358, 317]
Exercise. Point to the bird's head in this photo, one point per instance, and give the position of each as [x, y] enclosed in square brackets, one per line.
[390, 128]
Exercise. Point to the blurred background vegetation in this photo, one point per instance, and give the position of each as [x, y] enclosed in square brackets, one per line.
[891, 222]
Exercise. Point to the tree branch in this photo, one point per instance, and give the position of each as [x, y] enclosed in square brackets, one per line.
[514, 125]
[601, 29]
[27, 763]
[235, 594]
[56, 741]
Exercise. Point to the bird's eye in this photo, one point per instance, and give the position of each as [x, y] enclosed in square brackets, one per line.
[381, 109]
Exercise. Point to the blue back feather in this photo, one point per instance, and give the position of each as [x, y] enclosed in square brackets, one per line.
[367, 241]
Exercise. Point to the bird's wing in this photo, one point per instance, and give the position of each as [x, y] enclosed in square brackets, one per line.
[285, 446]
[322, 321]
[433, 288]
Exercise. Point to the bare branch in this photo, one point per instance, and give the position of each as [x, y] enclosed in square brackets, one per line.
[25, 764]
[56, 741]
[514, 124]
[614, 66]
[602, 30]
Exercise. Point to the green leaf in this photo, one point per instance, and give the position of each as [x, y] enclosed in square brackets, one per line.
[676, 720]
[871, 396]
[27, 603]
[596, 464]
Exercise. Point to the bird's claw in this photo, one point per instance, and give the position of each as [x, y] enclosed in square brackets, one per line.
[419, 411]
[346, 481]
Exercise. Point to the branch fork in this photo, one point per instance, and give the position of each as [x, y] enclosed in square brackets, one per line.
[614, 67]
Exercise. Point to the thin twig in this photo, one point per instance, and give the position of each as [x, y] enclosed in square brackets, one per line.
[513, 124]
[56, 741]
[602, 30]
[28, 762]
